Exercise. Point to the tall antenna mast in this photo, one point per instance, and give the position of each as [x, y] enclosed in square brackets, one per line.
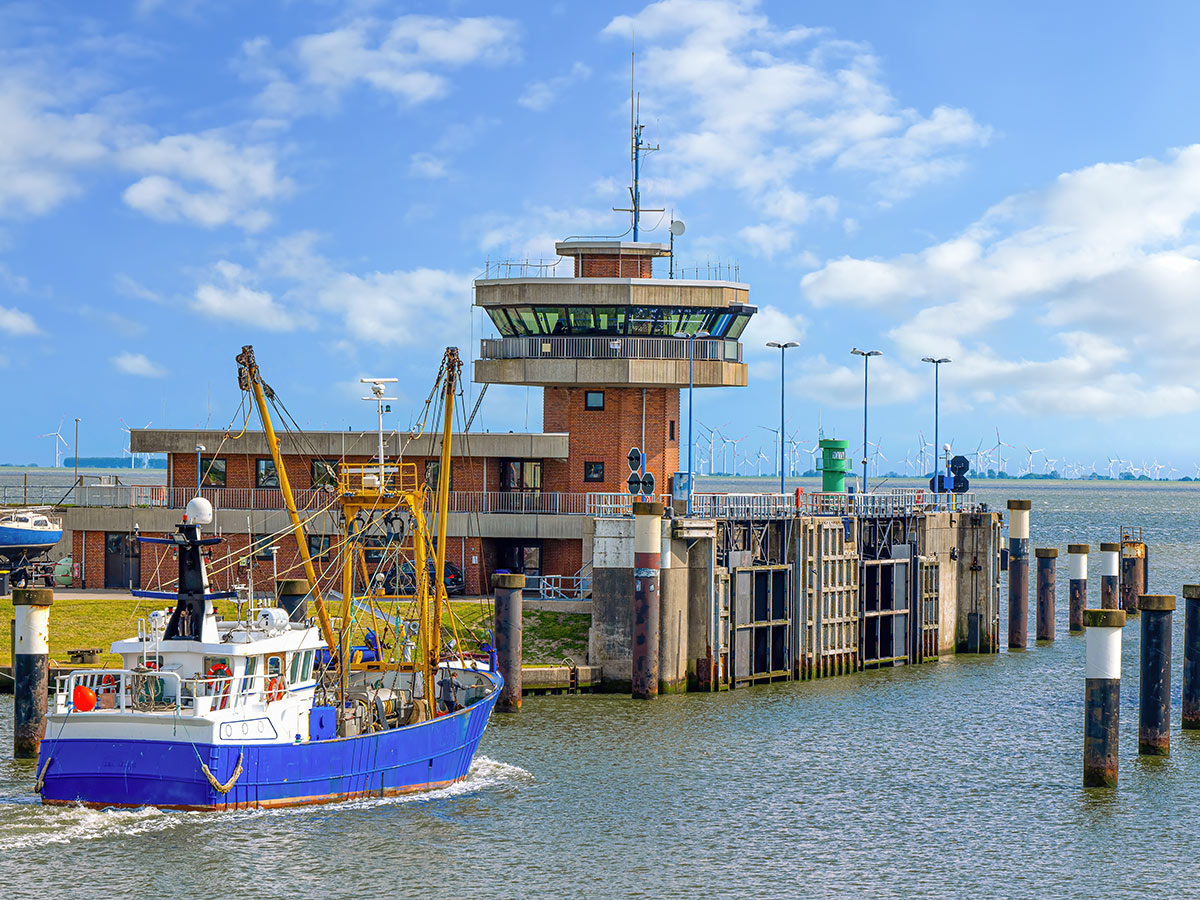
[636, 149]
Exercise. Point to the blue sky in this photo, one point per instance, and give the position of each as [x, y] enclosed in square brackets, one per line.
[1014, 186]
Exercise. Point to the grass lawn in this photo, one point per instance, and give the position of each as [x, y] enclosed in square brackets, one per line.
[96, 620]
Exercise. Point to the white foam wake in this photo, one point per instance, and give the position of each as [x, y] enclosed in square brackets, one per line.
[36, 826]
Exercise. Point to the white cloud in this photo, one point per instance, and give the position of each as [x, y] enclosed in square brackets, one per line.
[404, 58]
[758, 107]
[134, 289]
[400, 308]
[427, 165]
[232, 298]
[16, 322]
[204, 179]
[138, 364]
[44, 144]
[1103, 260]
[540, 95]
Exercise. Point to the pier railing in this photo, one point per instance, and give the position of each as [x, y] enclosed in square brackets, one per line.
[899, 501]
[614, 347]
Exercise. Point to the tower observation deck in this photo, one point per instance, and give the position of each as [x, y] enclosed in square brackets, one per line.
[602, 344]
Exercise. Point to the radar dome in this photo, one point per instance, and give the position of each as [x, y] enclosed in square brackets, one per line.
[198, 512]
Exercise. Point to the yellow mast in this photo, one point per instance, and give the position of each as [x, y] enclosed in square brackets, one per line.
[453, 365]
[249, 380]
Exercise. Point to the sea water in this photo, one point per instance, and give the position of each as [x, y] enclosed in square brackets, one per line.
[958, 778]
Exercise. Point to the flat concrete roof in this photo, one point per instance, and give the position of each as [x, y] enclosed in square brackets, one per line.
[610, 248]
[335, 444]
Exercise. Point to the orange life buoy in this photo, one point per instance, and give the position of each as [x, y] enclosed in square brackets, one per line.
[217, 669]
[275, 689]
[108, 685]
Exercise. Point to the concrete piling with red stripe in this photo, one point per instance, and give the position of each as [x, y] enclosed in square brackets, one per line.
[647, 556]
[1018, 573]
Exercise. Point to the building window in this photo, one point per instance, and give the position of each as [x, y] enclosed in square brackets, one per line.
[263, 543]
[265, 475]
[593, 471]
[521, 475]
[671, 430]
[318, 546]
[593, 400]
[324, 473]
[433, 468]
[212, 471]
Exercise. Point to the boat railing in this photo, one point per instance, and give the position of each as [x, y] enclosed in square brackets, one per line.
[154, 690]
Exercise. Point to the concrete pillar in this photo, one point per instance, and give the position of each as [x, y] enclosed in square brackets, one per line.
[509, 599]
[31, 668]
[1047, 582]
[701, 661]
[1102, 696]
[1133, 574]
[1110, 575]
[292, 594]
[1191, 656]
[1077, 560]
[1018, 573]
[1154, 681]
[673, 615]
[647, 553]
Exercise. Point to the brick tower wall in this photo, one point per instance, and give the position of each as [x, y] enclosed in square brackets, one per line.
[606, 435]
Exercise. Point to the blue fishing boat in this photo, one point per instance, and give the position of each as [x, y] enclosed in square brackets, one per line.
[272, 708]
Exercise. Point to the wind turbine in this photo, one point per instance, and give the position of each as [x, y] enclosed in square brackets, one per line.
[761, 458]
[877, 454]
[1031, 452]
[58, 438]
[125, 428]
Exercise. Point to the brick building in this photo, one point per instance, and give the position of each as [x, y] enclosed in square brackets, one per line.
[610, 349]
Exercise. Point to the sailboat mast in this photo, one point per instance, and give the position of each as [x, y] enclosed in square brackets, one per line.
[250, 380]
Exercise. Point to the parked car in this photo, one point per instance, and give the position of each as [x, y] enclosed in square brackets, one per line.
[405, 583]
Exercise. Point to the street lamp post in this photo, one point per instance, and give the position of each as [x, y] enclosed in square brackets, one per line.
[783, 349]
[199, 449]
[937, 449]
[691, 339]
[866, 355]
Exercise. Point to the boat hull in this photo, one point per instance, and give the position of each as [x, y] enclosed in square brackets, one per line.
[29, 540]
[168, 775]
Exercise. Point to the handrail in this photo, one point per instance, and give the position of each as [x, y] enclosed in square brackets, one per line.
[189, 694]
[609, 347]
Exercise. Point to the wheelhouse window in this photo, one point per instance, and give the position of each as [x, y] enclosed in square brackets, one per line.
[251, 670]
[593, 471]
[265, 475]
[593, 400]
[294, 672]
[308, 663]
[324, 473]
[212, 471]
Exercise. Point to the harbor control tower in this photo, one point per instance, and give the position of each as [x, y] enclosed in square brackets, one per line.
[606, 345]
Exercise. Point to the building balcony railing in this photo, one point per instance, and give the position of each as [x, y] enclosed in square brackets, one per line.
[616, 347]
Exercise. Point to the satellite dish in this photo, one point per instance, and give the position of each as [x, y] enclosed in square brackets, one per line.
[677, 227]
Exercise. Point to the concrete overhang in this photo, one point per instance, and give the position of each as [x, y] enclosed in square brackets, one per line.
[649, 373]
[336, 444]
[610, 292]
